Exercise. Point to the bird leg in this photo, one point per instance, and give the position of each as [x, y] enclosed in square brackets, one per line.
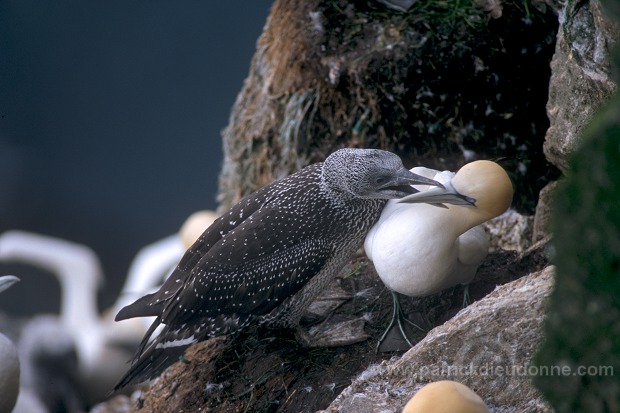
[466, 298]
[397, 318]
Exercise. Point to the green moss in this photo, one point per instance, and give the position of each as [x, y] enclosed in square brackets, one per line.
[449, 13]
[583, 325]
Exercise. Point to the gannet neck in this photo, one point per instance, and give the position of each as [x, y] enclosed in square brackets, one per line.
[459, 219]
[76, 266]
[149, 268]
[446, 224]
[79, 282]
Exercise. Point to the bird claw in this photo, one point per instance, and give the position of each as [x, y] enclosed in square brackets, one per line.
[398, 318]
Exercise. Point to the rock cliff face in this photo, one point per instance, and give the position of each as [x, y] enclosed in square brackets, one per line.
[582, 329]
[337, 73]
[488, 346]
[582, 322]
[581, 78]
[441, 85]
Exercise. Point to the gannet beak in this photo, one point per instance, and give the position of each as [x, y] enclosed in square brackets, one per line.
[7, 281]
[438, 197]
[400, 184]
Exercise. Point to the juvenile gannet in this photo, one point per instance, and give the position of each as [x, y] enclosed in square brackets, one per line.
[419, 249]
[9, 362]
[445, 396]
[265, 260]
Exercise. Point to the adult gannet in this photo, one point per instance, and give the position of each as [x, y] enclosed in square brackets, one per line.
[49, 367]
[445, 396]
[419, 249]
[15, 397]
[9, 362]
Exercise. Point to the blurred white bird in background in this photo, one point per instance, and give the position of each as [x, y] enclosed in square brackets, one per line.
[100, 345]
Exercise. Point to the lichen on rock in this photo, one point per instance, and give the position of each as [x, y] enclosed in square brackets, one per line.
[440, 85]
[581, 78]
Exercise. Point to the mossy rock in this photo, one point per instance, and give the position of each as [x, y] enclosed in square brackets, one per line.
[583, 325]
[440, 85]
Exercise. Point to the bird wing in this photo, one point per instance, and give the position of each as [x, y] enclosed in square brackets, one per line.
[244, 266]
[153, 304]
[256, 266]
[255, 287]
[227, 268]
[473, 246]
[220, 299]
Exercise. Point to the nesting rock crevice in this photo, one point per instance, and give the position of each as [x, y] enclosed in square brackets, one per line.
[488, 346]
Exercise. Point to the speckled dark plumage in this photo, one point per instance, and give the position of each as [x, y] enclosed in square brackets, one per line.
[267, 258]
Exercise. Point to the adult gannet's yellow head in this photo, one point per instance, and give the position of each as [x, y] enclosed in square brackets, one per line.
[483, 186]
[445, 396]
[195, 225]
[487, 183]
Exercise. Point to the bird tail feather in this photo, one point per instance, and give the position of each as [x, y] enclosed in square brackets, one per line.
[161, 353]
[142, 307]
[152, 358]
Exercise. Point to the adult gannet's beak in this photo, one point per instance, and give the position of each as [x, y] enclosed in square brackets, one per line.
[439, 196]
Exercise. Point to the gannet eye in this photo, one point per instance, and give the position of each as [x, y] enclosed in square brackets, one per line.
[381, 180]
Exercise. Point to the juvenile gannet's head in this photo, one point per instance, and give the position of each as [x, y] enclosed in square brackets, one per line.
[370, 173]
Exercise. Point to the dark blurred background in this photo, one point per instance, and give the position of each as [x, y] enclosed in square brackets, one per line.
[110, 120]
